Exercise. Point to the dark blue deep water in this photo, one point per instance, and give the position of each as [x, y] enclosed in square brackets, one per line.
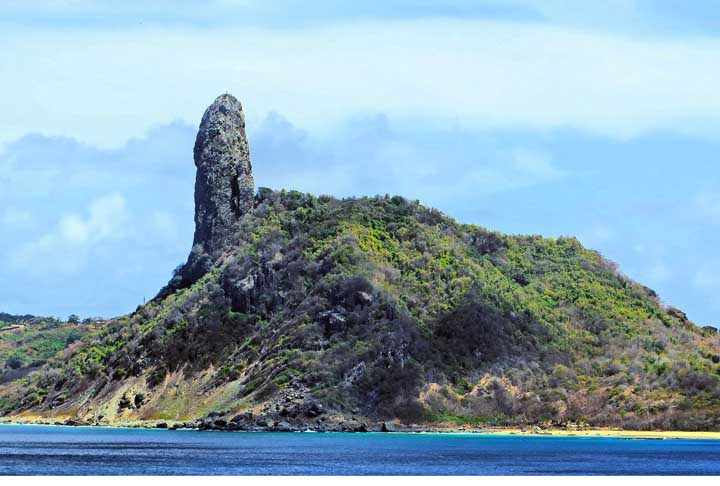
[31, 450]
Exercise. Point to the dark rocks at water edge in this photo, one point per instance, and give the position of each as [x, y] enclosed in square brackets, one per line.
[73, 423]
[276, 422]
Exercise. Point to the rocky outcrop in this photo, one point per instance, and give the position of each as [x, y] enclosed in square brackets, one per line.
[224, 185]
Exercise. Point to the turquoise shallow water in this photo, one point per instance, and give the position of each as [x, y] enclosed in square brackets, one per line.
[39, 450]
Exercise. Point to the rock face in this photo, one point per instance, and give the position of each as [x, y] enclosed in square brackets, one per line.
[224, 185]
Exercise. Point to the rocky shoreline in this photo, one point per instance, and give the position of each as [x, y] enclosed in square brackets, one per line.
[298, 411]
[249, 423]
[243, 423]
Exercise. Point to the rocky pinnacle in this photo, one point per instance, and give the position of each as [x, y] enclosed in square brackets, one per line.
[224, 186]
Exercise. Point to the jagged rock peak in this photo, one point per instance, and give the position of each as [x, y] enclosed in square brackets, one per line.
[224, 186]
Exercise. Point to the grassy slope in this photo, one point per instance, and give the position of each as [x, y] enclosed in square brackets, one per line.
[387, 307]
[28, 342]
[31, 344]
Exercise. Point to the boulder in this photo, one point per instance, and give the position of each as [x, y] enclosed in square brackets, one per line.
[264, 422]
[124, 403]
[243, 417]
[206, 424]
[313, 409]
[283, 426]
[74, 423]
[139, 400]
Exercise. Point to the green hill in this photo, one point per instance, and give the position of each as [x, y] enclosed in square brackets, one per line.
[295, 311]
[28, 342]
[382, 306]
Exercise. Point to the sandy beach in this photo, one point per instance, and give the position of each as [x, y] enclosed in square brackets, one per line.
[602, 432]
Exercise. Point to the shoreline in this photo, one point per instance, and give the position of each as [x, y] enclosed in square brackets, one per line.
[597, 432]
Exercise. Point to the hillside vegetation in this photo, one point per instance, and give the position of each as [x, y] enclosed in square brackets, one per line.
[28, 342]
[382, 308]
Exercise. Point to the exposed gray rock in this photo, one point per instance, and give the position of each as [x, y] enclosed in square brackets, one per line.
[313, 408]
[75, 423]
[224, 185]
[283, 427]
[264, 422]
[243, 417]
[363, 298]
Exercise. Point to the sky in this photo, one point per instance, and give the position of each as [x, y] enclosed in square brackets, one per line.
[599, 120]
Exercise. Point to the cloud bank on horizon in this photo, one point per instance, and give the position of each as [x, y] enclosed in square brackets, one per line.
[524, 116]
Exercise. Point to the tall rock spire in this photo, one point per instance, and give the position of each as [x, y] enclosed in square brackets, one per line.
[224, 186]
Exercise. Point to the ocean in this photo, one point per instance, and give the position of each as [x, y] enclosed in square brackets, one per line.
[47, 450]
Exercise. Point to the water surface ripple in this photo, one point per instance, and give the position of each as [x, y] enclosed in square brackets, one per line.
[45, 450]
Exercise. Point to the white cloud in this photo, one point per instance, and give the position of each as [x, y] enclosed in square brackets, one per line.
[67, 246]
[614, 14]
[535, 164]
[376, 155]
[17, 218]
[521, 167]
[108, 85]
